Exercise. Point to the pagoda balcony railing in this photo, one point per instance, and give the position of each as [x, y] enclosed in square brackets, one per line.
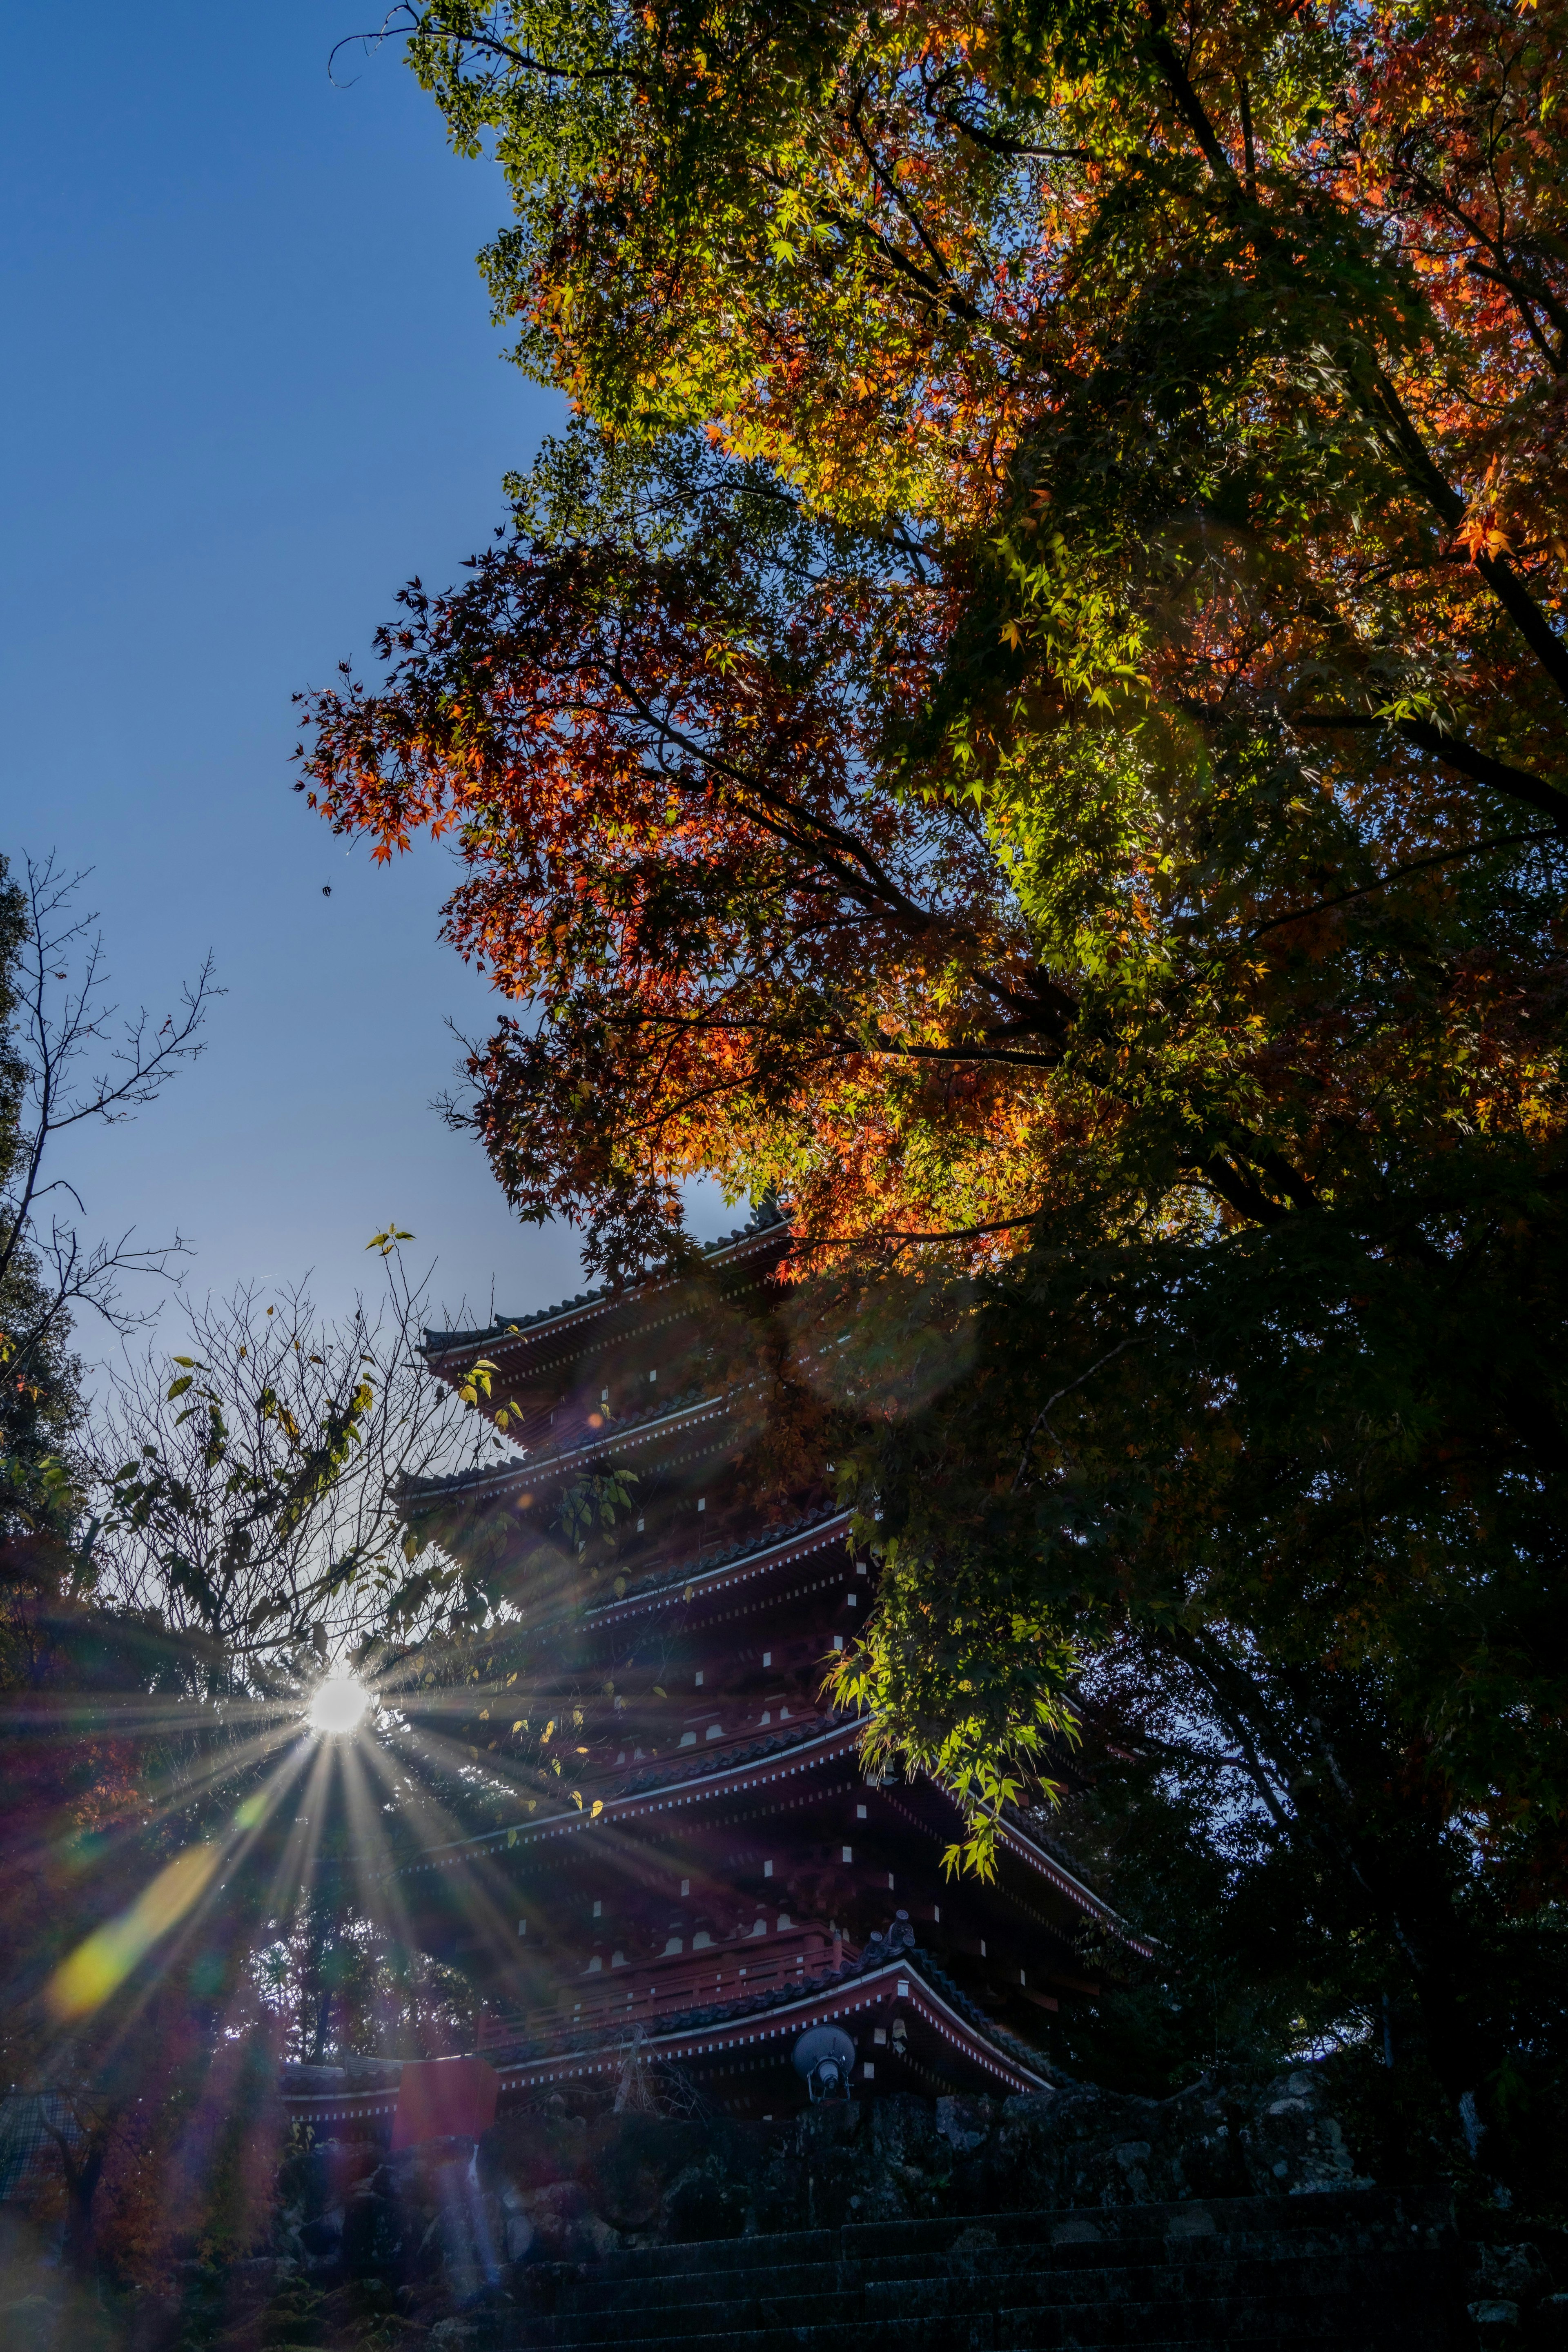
[642, 1992]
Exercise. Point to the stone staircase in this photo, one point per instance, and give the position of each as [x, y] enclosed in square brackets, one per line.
[1357, 2271]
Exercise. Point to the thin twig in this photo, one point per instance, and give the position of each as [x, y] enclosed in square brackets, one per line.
[1099, 1365]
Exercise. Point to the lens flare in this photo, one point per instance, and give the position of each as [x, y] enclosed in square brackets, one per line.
[338, 1706]
[101, 1965]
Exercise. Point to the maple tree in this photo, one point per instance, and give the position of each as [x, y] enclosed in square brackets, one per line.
[1062, 716]
[1027, 717]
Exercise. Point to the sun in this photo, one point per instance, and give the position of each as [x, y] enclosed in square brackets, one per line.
[338, 1706]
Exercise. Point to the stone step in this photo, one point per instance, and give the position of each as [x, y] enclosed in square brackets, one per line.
[582, 2287]
[1149, 2259]
[1309, 2302]
[760, 2256]
[1015, 2275]
[1338, 2316]
[1185, 2258]
[1373, 2335]
[1202, 2218]
[717, 2254]
[678, 2320]
[1362, 2271]
[1205, 2219]
[1348, 2323]
[1279, 2280]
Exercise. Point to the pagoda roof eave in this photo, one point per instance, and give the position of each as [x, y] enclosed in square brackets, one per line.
[521, 1471]
[723, 1781]
[897, 1981]
[701, 1583]
[518, 1335]
[1023, 1849]
[900, 1981]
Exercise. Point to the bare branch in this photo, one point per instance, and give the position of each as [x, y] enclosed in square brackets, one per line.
[251, 1482]
[64, 1014]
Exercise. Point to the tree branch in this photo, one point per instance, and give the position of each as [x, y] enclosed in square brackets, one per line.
[1465, 759]
[1399, 874]
[1375, 393]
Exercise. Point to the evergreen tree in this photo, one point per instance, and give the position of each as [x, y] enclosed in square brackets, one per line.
[41, 1404]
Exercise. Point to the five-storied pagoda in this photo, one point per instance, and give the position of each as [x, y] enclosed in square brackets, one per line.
[713, 1876]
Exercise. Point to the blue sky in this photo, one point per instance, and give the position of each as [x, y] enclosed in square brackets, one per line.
[252, 385]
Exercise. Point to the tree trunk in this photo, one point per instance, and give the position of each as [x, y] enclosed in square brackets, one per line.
[1397, 1883]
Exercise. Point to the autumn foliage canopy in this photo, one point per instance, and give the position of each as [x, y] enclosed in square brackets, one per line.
[1027, 716]
[1071, 582]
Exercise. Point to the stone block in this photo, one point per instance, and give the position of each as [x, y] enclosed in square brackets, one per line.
[323, 2238]
[372, 2235]
[1516, 2274]
[964, 2123]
